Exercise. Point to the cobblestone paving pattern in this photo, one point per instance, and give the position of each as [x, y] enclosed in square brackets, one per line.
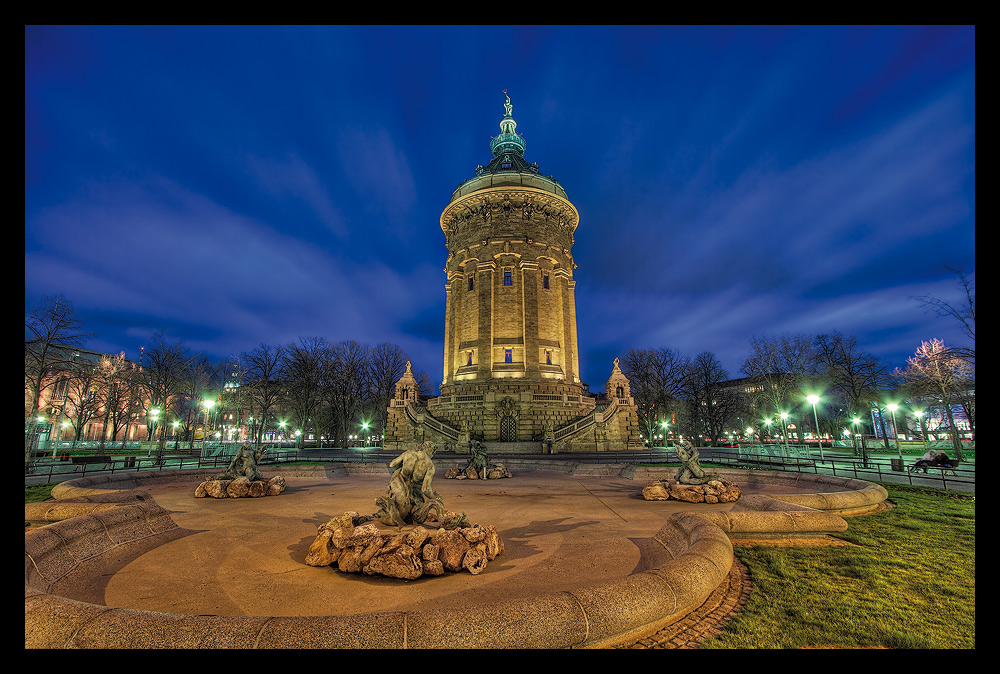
[706, 621]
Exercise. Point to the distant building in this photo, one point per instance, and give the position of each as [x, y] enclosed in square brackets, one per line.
[511, 360]
[65, 366]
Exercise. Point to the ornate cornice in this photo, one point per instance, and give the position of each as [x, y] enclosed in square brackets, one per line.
[495, 203]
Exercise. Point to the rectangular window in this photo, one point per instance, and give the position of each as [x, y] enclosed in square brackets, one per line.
[508, 355]
[545, 281]
[470, 358]
[508, 277]
[472, 283]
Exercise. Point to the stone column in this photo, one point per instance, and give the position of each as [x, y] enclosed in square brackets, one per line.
[568, 325]
[529, 328]
[484, 339]
[449, 333]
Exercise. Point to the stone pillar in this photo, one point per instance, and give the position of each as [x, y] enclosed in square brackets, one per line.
[449, 332]
[484, 339]
[575, 353]
[568, 326]
[529, 301]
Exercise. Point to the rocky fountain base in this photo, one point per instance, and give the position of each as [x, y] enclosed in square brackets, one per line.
[241, 487]
[494, 472]
[352, 543]
[242, 478]
[713, 491]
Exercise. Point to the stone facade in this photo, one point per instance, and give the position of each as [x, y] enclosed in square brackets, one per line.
[511, 360]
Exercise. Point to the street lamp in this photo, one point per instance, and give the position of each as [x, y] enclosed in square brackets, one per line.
[209, 404]
[923, 429]
[663, 425]
[364, 428]
[176, 440]
[152, 429]
[813, 400]
[892, 409]
[62, 432]
[784, 429]
[864, 450]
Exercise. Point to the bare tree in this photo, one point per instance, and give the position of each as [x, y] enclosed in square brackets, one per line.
[117, 385]
[965, 313]
[344, 383]
[852, 373]
[201, 382]
[711, 404]
[780, 365]
[303, 368]
[386, 364]
[263, 385]
[657, 378]
[937, 372]
[51, 330]
[83, 402]
[165, 367]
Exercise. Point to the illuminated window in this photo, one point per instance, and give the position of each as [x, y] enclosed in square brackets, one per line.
[508, 277]
[508, 355]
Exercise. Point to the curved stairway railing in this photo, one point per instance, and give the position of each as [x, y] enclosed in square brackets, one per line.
[574, 428]
[427, 421]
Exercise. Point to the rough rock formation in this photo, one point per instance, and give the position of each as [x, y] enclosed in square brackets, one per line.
[714, 491]
[494, 472]
[352, 543]
[241, 487]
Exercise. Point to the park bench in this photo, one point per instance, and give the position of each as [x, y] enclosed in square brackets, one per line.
[97, 458]
[954, 464]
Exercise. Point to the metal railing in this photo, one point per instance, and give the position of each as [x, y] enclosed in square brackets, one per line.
[877, 468]
[801, 459]
[43, 470]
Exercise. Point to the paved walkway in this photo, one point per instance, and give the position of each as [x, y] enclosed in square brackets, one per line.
[246, 556]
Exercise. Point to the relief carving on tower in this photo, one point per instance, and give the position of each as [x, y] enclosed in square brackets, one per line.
[507, 407]
[475, 211]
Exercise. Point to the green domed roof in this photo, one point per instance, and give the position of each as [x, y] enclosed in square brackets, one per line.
[508, 151]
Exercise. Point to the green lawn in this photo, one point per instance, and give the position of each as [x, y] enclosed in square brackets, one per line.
[38, 492]
[907, 581]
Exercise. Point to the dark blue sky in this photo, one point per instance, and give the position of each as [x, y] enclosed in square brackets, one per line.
[247, 185]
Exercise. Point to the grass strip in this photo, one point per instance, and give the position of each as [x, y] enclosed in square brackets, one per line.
[907, 580]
